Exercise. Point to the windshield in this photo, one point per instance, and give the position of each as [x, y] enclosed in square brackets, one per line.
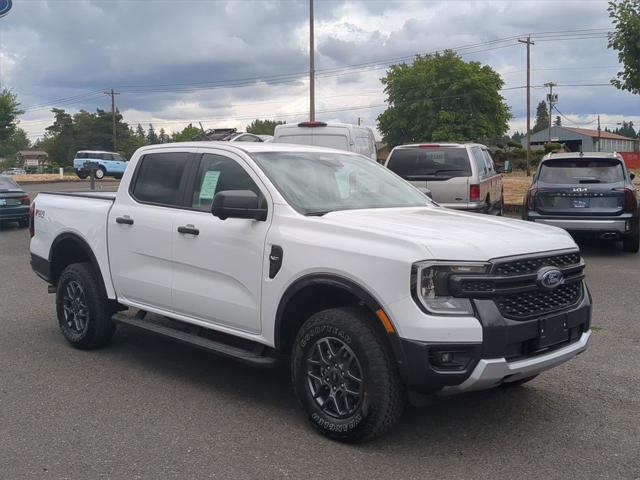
[7, 183]
[567, 171]
[415, 163]
[317, 183]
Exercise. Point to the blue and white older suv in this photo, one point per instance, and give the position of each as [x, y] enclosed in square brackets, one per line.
[110, 163]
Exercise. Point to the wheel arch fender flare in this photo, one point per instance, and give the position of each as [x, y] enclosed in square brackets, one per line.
[340, 282]
[85, 248]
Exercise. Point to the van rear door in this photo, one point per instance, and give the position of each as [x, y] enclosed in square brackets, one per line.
[443, 169]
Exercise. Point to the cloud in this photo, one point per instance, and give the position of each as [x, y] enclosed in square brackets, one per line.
[242, 55]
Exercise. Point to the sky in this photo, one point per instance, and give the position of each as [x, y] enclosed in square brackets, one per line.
[225, 63]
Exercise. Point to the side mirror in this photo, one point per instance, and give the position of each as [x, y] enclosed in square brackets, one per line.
[632, 175]
[238, 204]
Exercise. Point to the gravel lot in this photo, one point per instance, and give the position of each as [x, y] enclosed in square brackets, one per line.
[145, 407]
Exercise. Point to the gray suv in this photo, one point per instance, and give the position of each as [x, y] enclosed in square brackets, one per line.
[458, 175]
[588, 194]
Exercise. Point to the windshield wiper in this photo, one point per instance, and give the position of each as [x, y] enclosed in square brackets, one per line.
[317, 213]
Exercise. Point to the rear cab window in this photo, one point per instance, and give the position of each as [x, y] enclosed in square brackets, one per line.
[581, 170]
[159, 177]
[416, 163]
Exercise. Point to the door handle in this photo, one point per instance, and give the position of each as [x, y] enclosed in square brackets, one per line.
[189, 229]
[124, 220]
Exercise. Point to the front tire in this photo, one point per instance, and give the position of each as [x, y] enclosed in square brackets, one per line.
[631, 244]
[345, 376]
[100, 173]
[82, 175]
[84, 313]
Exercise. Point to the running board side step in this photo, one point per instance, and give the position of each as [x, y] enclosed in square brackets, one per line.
[253, 357]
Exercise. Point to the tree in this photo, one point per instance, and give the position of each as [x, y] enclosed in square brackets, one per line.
[625, 16]
[558, 121]
[163, 137]
[263, 127]
[542, 118]
[17, 141]
[626, 130]
[517, 136]
[152, 136]
[140, 132]
[441, 98]
[9, 112]
[187, 134]
[59, 138]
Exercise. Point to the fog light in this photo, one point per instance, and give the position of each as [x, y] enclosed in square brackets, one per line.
[449, 360]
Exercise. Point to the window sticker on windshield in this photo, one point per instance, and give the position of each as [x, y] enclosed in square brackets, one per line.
[209, 183]
[437, 156]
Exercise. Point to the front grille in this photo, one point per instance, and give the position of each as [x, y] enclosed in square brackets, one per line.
[520, 306]
[533, 264]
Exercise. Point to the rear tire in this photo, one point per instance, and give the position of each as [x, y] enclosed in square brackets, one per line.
[631, 244]
[345, 376]
[82, 176]
[100, 173]
[84, 313]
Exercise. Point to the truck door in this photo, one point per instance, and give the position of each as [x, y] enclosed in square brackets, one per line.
[218, 264]
[140, 230]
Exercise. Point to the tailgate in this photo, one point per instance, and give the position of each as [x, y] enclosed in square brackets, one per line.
[572, 201]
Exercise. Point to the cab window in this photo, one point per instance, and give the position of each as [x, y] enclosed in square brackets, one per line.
[158, 178]
[217, 173]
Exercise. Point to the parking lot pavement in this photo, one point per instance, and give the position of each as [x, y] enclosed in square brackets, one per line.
[145, 407]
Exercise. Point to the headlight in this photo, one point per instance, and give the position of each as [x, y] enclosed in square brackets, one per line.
[430, 285]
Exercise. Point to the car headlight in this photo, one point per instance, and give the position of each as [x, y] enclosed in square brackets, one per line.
[430, 286]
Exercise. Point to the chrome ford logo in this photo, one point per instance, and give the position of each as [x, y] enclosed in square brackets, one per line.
[549, 278]
[5, 6]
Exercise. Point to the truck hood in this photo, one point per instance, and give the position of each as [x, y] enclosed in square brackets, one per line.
[453, 235]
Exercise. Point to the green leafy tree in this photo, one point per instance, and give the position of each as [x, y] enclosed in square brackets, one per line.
[9, 112]
[558, 121]
[59, 138]
[518, 136]
[625, 16]
[140, 133]
[441, 97]
[17, 141]
[542, 117]
[187, 134]
[263, 127]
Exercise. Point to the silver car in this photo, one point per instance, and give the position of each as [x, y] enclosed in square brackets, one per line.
[459, 175]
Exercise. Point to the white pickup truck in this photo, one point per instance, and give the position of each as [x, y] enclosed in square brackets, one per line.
[264, 251]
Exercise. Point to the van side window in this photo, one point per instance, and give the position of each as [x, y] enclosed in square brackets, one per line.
[488, 161]
[216, 174]
[478, 158]
[158, 178]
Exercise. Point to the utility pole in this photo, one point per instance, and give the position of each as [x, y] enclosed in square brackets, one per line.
[598, 132]
[312, 68]
[358, 121]
[113, 94]
[528, 42]
[551, 99]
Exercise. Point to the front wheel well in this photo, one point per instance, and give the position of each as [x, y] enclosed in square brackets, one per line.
[311, 299]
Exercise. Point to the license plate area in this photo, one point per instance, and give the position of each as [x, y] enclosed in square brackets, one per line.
[552, 331]
[580, 203]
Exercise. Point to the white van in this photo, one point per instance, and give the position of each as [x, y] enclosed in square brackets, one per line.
[342, 136]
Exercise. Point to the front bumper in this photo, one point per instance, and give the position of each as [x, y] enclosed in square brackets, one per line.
[510, 350]
[490, 373]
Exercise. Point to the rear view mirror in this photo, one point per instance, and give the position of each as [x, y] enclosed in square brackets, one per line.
[238, 204]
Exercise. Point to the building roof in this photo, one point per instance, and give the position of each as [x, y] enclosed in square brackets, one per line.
[32, 152]
[594, 133]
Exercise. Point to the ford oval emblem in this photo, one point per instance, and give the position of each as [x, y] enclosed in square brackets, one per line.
[5, 6]
[549, 278]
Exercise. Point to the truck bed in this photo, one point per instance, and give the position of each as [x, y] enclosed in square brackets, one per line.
[81, 214]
